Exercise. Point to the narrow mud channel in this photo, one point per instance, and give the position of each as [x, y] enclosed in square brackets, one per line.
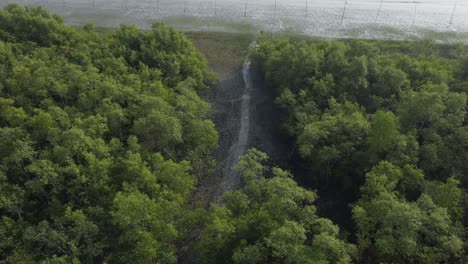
[244, 112]
[231, 178]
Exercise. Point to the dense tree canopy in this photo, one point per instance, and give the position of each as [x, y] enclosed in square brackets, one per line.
[103, 139]
[395, 112]
[271, 220]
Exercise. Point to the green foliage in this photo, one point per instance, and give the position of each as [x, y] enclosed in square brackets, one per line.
[271, 220]
[335, 136]
[103, 139]
[391, 229]
[36, 25]
[393, 110]
[383, 132]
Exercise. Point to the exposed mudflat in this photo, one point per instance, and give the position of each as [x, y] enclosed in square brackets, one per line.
[226, 56]
[232, 178]
[226, 101]
[243, 111]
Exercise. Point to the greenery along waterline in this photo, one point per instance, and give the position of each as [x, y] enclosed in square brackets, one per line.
[387, 123]
[102, 142]
[103, 139]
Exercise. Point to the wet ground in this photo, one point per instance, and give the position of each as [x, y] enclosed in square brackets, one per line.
[242, 139]
[246, 117]
[243, 111]
[443, 20]
[227, 101]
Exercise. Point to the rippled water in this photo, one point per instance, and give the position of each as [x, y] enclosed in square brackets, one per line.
[325, 18]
